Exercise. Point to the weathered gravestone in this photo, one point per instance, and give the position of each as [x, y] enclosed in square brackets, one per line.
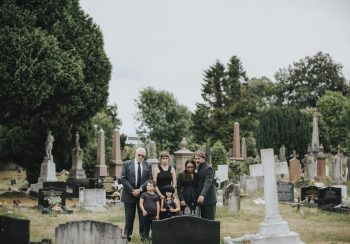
[330, 196]
[88, 232]
[14, 230]
[232, 197]
[185, 230]
[285, 191]
[93, 200]
[45, 194]
[310, 194]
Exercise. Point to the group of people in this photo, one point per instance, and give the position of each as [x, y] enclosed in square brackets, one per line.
[152, 194]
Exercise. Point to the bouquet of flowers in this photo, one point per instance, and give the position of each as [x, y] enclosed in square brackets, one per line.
[54, 202]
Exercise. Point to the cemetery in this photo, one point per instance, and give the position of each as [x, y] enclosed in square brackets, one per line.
[248, 161]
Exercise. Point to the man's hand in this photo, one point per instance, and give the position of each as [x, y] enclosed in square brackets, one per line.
[183, 203]
[200, 199]
[136, 192]
[144, 213]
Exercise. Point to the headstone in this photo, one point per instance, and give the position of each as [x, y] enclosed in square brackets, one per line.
[274, 229]
[186, 230]
[337, 169]
[294, 170]
[236, 142]
[182, 155]
[101, 168]
[77, 171]
[14, 230]
[88, 232]
[282, 154]
[45, 194]
[315, 142]
[222, 173]
[244, 148]
[93, 200]
[285, 191]
[116, 163]
[232, 197]
[344, 190]
[251, 184]
[310, 194]
[329, 196]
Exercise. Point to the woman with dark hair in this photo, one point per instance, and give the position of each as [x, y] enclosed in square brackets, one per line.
[187, 189]
[164, 174]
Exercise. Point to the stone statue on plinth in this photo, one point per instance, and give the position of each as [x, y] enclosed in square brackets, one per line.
[49, 145]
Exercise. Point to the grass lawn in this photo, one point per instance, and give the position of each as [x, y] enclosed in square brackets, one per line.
[313, 225]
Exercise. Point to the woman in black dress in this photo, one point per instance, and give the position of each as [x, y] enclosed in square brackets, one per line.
[187, 189]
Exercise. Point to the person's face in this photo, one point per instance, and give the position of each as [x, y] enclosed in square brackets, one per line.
[165, 160]
[190, 167]
[199, 160]
[150, 187]
[168, 194]
[140, 156]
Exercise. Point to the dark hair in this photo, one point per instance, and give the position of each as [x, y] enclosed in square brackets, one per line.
[152, 182]
[169, 188]
[186, 174]
[190, 161]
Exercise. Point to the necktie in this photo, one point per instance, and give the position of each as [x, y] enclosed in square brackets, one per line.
[138, 182]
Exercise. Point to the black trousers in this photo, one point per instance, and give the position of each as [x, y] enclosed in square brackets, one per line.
[208, 211]
[147, 223]
[130, 210]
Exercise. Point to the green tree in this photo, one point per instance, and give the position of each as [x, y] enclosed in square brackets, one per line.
[304, 82]
[263, 91]
[284, 126]
[53, 76]
[162, 118]
[225, 102]
[333, 107]
[219, 155]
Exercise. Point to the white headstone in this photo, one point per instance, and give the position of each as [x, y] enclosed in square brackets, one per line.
[222, 173]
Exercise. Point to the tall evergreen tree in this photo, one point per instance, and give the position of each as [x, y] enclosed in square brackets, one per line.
[53, 76]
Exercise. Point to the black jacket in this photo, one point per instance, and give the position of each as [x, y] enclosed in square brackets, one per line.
[187, 187]
[206, 184]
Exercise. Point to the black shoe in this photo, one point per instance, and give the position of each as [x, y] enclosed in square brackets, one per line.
[128, 238]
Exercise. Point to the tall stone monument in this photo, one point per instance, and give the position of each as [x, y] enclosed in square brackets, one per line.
[101, 168]
[77, 171]
[236, 142]
[152, 154]
[182, 155]
[315, 142]
[244, 148]
[116, 164]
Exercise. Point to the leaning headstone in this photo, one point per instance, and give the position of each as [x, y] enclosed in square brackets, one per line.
[101, 168]
[77, 171]
[88, 232]
[285, 191]
[274, 229]
[93, 200]
[14, 230]
[232, 197]
[186, 230]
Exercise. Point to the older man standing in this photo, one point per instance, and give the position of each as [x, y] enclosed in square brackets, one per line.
[134, 177]
[206, 186]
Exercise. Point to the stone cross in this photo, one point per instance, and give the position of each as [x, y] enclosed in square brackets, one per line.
[273, 226]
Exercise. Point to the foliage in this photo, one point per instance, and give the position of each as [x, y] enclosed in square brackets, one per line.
[284, 126]
[333, 107]
[162, 118]
[263, 91]
[304, 82]
[219, 155]
[53, 76]
[225, 101]
[237, 169]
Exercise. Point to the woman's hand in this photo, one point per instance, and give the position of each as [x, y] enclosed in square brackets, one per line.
[183, 203]
[144, 213]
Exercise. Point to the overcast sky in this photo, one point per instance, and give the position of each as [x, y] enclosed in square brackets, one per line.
[168, 44]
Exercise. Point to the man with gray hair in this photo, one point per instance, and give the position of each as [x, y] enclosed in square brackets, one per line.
[206, 186]
[134, 177]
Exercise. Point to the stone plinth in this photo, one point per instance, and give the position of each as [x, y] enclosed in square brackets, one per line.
[47, 171]
[116, 163]
[294, 170]
[182, 156]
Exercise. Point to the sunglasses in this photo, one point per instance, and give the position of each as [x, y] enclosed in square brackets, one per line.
[141, 155]
[190, 167]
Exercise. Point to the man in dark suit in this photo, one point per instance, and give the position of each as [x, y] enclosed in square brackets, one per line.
[134, 177]
[206, 186]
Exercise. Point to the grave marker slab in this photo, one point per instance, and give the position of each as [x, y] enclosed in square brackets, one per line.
[329, 196]
[14, 230]
[46, 193]
[285, 191]
[186, 230]
[310, 192]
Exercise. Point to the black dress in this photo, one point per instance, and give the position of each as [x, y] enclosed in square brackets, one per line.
[164, 178]
[187, 191]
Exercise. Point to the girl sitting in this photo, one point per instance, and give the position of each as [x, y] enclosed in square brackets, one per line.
[169, 205]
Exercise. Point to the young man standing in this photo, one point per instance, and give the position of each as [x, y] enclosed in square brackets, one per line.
[206, 186]
[134, 177]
